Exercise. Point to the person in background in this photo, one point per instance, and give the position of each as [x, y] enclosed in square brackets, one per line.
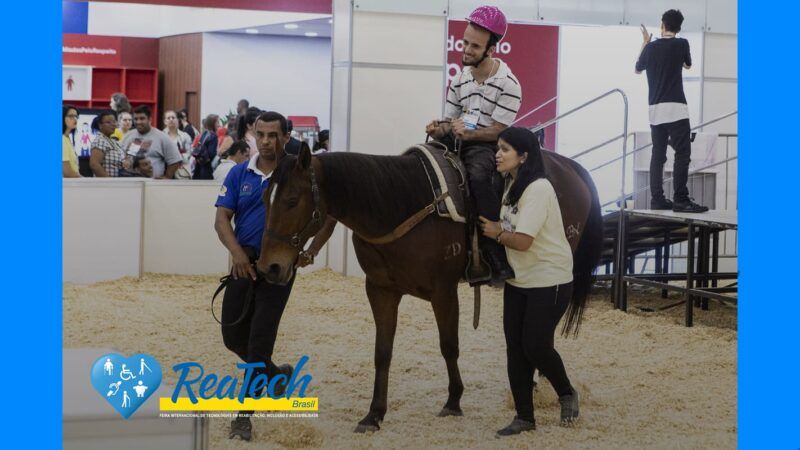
[142, 167]
[69, 160]
[238, 153]
[227, 141]
[205, 152]
[323, 138]
[294, 145]
[125, 120]
[245, 130]
[180, 139]
[242, 106]
[532, 232]
[119, 103]
[152, 142]
[664, 60]
[107, 155]
[185, 126]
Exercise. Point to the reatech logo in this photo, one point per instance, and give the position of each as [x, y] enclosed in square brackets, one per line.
[126, 383]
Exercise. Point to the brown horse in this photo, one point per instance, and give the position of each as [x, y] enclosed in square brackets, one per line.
[372, 195]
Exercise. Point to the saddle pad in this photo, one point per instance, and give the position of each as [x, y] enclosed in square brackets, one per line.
[447, 174]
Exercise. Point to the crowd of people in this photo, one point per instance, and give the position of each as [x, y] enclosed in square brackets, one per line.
[125, 143]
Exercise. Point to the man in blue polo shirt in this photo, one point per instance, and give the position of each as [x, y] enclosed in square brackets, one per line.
[241, 200]
[664, 60]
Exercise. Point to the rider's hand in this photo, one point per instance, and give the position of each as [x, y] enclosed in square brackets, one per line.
[459, 129]
[432, 127]
[241, 266]
[305, 258]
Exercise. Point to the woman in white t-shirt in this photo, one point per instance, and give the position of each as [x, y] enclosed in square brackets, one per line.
[534, 301]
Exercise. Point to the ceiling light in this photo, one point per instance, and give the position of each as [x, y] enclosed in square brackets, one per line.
[251, 30]
[311, 34]
[291, 26]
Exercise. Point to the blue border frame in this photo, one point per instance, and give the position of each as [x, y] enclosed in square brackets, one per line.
[769, 309]
[31, 227]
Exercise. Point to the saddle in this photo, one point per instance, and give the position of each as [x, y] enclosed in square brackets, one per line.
[447, 175]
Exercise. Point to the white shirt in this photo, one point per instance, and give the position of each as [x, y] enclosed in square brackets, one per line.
[548, 261]
[224, 166]
[497, 99]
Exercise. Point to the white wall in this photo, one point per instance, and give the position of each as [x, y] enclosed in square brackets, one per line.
[286, 74]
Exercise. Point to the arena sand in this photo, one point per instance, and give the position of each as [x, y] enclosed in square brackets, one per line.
[645, 380]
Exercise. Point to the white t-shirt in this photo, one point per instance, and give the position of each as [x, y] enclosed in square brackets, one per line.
[224, 166]
[548, 261]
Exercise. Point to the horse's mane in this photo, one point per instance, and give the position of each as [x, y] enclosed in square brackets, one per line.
[380, 191]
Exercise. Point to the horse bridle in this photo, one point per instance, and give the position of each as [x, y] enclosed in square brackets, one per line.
[298, 239]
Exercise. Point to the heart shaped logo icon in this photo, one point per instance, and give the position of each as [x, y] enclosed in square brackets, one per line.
[126, 383]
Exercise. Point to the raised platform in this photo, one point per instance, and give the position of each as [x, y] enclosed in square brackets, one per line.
[647, 230]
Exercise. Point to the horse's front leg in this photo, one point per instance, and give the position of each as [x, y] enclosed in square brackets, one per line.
[445, 308]
[384, 303]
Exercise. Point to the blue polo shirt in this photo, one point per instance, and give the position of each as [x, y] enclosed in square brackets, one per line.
[243, 191]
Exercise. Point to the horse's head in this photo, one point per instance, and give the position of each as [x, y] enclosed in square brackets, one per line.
[295, 213]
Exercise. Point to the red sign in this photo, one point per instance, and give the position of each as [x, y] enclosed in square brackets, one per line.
[531, 52]
[89, 50]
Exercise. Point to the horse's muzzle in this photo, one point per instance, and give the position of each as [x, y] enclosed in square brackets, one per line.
[273, 275]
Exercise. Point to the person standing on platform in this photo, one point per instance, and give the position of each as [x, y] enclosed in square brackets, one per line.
[664, 60]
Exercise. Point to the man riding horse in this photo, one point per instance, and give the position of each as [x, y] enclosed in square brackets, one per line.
[481, 102]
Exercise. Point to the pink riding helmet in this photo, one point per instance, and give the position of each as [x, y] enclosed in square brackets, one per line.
[490, 18]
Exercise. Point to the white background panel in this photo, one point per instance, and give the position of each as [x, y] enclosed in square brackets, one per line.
[598, 12]
[341, 30]
[179, 234]
[101, 229]
[421, 7]
[398, 39]
[340, 101]
[391, 108]
[285, 74]
[720, 98]
[649, 12]
[721, 59]
[722, 16]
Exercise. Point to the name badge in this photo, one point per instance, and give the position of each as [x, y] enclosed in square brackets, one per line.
[470, 121]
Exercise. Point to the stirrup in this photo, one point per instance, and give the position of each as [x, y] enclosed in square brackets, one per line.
[477, 277]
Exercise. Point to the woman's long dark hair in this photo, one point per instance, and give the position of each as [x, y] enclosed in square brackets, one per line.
[248, 118]
[523, 141]
[64, 111]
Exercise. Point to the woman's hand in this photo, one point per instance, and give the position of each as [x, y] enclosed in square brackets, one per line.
[490, 229]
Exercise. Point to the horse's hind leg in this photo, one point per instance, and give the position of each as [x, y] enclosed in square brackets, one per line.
[384, 303]
[445, 308]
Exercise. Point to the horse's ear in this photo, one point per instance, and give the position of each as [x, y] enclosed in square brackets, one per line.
[304, 158]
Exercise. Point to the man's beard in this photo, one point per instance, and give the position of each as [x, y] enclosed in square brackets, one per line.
[475, 64]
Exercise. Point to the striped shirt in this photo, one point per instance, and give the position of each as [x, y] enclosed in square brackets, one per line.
[497, 99]
[112, 154]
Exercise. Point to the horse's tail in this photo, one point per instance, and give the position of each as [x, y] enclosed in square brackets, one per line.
[585, 259]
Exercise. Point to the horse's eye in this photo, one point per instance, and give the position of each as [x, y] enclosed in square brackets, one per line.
[292, 202]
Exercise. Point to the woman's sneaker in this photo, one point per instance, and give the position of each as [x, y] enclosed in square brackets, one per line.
[688, 206]
[516, 426]
[570, 405]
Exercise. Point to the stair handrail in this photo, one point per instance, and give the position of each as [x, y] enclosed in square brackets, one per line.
[636, 150]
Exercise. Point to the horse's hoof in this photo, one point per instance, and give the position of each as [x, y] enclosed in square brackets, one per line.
[364, 428]
[445, 412]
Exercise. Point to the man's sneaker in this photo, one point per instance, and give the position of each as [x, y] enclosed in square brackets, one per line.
[242, 428]
[516, 426]
[661, 203]
[688, 206]
[570, 405]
